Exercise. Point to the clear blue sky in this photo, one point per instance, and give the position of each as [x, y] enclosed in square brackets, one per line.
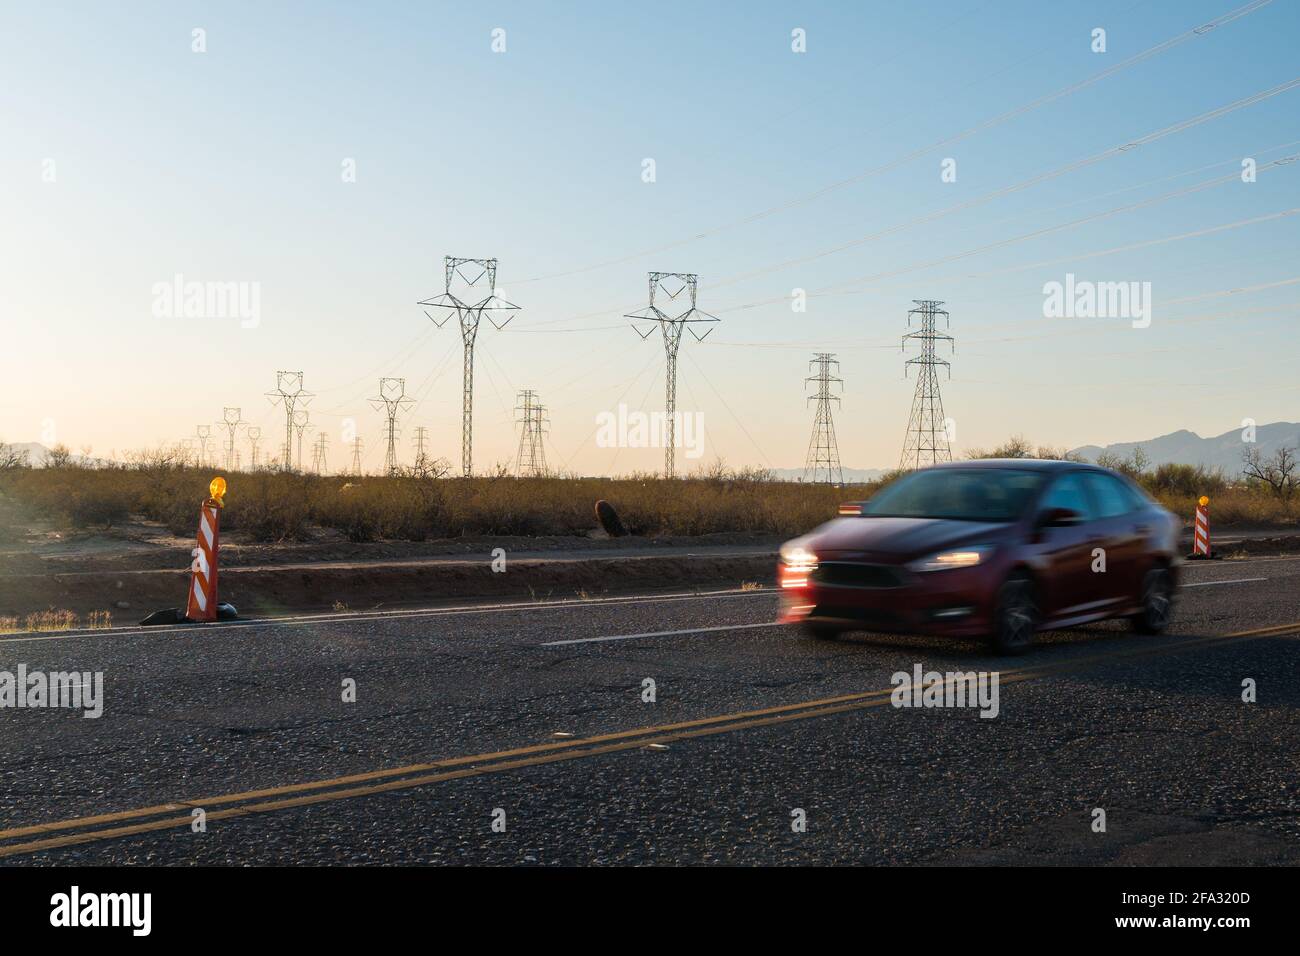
[225, 166]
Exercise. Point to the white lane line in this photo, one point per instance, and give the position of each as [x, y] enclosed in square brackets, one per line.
[1206, 584]
[689, 630]
[362, 617]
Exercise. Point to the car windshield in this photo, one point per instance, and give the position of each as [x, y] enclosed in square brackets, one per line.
[959, 494]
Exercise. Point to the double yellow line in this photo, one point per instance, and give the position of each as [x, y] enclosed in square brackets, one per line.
[107, 826]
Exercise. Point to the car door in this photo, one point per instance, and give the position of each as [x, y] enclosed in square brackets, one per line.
[1064, 554]
[1121, 532]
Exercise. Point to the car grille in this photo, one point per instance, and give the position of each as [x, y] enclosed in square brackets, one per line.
[843, 574]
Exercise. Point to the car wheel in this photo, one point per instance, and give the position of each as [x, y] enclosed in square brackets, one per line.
[1157, 602]
[1016, 617]
[822, 632]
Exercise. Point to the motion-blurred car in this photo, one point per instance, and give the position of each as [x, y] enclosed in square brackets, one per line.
[996, 548]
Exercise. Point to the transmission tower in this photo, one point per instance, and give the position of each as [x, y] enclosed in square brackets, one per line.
[301, 419]
[202, 432]
[289, 391]
[459, 298]
[254, 434]
[421, 438]
[231, 420]
[671, 285]
[531, 460]
[927, 437]
[392, 398]
[186, 449]
[823, 462]
[318, 453]
[356, 456]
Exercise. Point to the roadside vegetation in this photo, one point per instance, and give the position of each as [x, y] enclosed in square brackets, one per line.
[422, 503]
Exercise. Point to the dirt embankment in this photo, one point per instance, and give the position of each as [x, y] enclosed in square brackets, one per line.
[296, 588]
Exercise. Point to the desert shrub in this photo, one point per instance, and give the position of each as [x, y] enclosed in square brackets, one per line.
[1188, 480]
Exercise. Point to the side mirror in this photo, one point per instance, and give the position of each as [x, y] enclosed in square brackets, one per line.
[1059, 518]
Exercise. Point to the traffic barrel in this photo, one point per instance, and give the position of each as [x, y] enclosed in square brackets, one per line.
[201, 604]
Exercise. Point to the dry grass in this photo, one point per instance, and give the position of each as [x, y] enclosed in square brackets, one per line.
[51, 620]
[272, 506]
[265, 506]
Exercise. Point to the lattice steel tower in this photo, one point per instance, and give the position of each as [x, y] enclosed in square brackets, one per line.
[469, 312]
[254, 434]
[927, 435]
[301, 419]
[290, 393]
[318, 452]
[531, 460]
[823, 462]
[671, 284]
[392, 398]
[231, 420]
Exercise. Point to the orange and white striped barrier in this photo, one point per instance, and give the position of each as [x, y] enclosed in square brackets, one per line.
[201, 604]
[1201, 529]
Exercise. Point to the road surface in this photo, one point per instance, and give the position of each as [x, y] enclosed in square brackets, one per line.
[531, 717]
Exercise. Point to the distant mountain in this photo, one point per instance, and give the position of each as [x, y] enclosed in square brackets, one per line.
[852, 476]
[1222, 452]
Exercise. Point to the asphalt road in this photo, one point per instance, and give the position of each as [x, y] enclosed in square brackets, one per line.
[537, 711]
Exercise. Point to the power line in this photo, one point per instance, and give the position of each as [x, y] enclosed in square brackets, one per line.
[998, 120]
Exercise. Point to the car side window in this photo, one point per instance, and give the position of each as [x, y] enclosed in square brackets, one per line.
[1112, 498]
[1068, 492]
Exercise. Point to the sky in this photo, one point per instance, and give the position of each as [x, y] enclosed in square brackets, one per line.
[329, 155]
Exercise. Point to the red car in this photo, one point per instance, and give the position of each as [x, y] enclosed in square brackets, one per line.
[997, 548]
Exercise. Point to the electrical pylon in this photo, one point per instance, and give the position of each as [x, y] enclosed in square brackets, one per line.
[926, 441]
[823, 462]
[301, 419]
[463, 274]
[289, 391]
[421, 447]
[392, 398]
[356, 456]
[318, 450]
[531, 460]
[186, 450]
[231, 419]
[671, 284]
[254, 433]
[202, 432]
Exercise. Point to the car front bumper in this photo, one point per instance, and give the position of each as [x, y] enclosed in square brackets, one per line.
[955, 603]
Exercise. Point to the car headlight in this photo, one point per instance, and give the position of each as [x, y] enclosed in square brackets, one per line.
[967, 557]
[796, 557]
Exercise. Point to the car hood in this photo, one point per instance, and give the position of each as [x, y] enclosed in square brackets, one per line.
[896, 539]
